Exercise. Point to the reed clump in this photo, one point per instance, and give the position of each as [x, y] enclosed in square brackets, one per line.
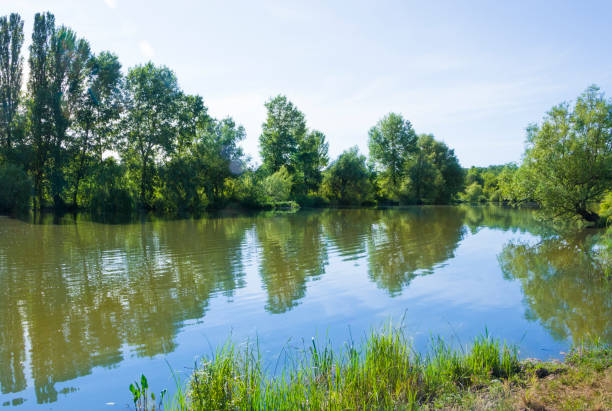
[383, 372]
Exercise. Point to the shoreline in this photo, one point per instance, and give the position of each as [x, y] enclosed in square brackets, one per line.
[384, 372]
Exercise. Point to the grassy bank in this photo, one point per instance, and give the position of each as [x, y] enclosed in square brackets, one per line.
[383, 372]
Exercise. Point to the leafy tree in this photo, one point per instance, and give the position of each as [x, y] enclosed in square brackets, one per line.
[69, 58]
[40, 102]
[221, 155]
[149, 125]
[391, 142]
[284, 129]
[249, 190]
[15, 188]
[11, 68]
[107, 189]
[447, 164]
[347, 180]
[605, 208]
[423, 179]
[492, 182]
[58, 63]
[278, 185]
[473, 194]
[568, 161]
[434, 174]
[311, 159]
[97, 115]
[196, 175]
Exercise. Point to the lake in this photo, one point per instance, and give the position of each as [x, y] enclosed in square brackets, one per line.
[86, 307]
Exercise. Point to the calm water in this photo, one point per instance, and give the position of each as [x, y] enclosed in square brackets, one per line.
[86, 307]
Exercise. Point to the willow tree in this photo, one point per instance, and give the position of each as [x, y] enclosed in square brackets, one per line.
[567, 165]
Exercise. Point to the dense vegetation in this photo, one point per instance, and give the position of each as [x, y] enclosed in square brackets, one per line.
[85, 135]
[566, 168]
[384, 372]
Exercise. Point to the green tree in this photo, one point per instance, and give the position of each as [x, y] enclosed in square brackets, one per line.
[39, 104]
[473, 194]
[347, 180]
[567, 165]
[434, 174]
[11, 67]
[221, 156]
[284, 129]
[311, 159]
[423, 180]
[69, 58]
[150, 123]
[278, 185]
[15, 188]
[391, 141]
[97, 115]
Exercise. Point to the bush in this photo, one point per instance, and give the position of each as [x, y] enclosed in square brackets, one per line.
[15, 188]
[473, 194]
[278, 185]
[107, 190]
[248, 191]
[605, 208]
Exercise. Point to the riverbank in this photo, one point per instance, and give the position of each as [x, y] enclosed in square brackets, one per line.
[384, 372]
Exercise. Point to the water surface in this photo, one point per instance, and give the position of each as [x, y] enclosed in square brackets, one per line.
[86, 307]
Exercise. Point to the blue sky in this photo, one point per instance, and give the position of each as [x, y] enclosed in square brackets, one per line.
[473, 73]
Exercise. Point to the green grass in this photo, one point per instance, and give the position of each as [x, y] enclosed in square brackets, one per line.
[384, 372]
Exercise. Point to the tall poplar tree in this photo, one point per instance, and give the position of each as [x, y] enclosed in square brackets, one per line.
[40, 99]
[11, 68]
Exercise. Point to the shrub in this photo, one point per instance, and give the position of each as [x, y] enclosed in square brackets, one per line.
[15, 188]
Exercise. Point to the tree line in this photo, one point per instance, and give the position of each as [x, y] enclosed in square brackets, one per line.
[566, 168]
[82, 134]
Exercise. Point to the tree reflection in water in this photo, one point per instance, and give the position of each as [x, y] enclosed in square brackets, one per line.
[564, 284]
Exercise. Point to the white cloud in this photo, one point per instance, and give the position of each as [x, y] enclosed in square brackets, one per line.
[111, 3]
[146, 49]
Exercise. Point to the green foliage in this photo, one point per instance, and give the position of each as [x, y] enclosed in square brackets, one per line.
[79, 108]
[568, 161]
[391, 142]
[15, 188]
[566, 282]
[143, 398]
[11, 70]
[284, 129]
[249, 191]
[107, 189]
[383, 372]
[605, 208]
[278, 185]
[148, 128]
[311, 158]
[347, 180]
[493, 184]
[433, 174]
[473, 194]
